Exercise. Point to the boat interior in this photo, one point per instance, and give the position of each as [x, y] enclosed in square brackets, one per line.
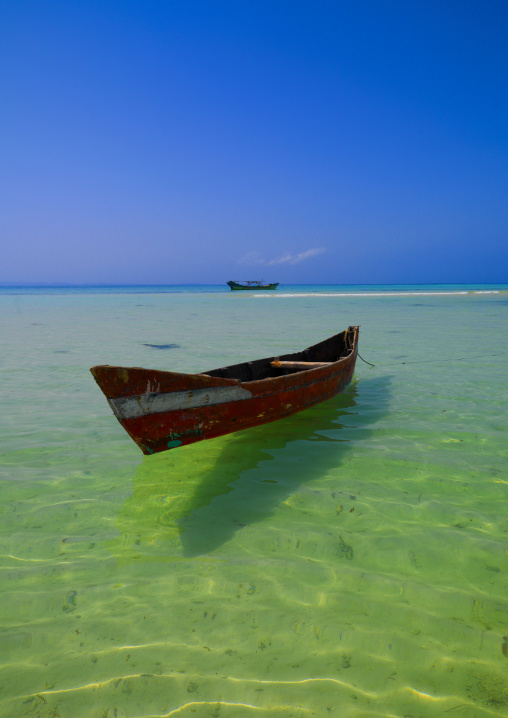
[326, 352]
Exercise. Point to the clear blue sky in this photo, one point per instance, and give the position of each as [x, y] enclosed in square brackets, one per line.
[199, 141]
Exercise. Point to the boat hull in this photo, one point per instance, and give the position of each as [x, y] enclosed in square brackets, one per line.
[235, 287]
[164, 410]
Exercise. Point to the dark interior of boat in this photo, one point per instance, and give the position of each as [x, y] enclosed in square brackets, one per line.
[327, 351]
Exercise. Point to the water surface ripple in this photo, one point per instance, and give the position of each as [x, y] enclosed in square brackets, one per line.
[350, 560]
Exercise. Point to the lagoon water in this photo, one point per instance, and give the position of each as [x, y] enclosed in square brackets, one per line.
[351, 560]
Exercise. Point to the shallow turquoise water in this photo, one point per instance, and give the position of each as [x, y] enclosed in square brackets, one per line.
[351, 560]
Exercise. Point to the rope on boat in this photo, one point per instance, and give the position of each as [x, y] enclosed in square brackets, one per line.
[366, 362]
[435, 361]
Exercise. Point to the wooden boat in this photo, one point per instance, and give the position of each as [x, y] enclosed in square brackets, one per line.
[251, 284]
[161, 410]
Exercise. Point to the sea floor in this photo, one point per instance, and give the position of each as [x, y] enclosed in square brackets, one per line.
[351, 560]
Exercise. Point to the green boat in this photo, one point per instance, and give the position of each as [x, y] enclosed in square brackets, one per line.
[252, 284]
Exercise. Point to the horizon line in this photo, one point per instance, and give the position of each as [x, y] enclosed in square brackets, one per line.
[53, 285]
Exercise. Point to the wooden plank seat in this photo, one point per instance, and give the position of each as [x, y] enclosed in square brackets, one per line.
[298, 365]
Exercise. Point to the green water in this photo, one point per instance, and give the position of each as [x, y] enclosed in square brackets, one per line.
[350, 560]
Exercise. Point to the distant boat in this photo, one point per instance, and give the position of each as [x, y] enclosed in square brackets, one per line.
[252, 284]
[161, 410]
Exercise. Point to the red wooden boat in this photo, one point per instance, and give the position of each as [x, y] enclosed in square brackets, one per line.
[161, 410]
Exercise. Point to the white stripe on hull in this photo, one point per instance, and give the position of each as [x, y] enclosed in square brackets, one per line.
[132, 407]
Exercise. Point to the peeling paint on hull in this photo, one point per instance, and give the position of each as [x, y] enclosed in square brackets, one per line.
[130, 407]
[164, 410]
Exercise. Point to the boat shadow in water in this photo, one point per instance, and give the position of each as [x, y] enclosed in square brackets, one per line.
[193, 500]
